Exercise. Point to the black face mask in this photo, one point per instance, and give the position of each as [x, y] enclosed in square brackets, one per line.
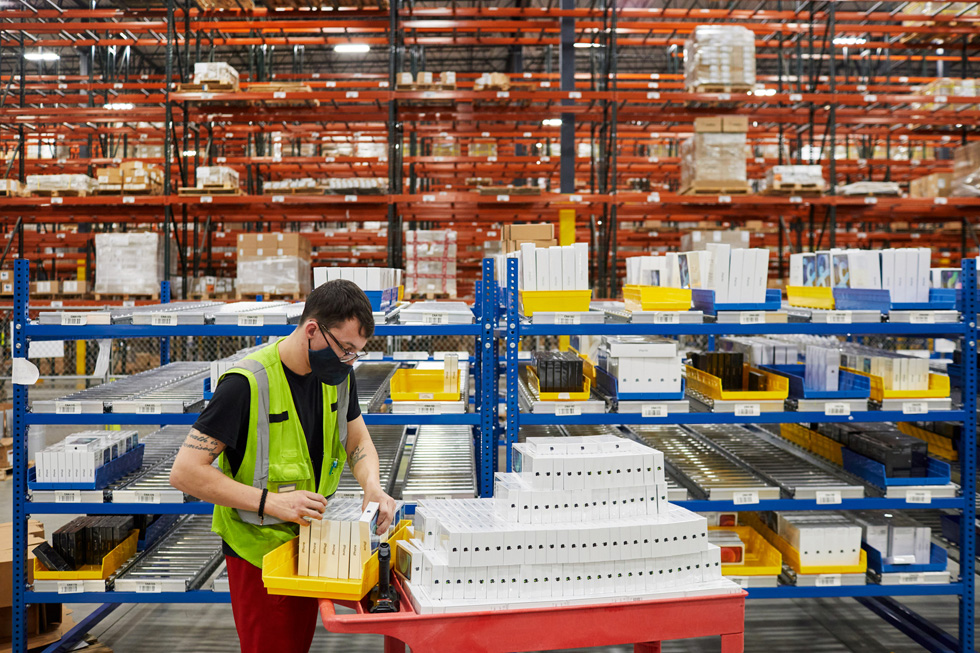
[327, 367]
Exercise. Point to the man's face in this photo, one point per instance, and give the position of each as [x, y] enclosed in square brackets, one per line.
[345, 338]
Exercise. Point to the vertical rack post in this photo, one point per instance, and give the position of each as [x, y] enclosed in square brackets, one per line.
[968, 455]
[512, 339]
[488, 381]
[19, 527]
[165, 341]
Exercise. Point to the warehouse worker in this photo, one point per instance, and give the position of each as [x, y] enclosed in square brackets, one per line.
[282, 424]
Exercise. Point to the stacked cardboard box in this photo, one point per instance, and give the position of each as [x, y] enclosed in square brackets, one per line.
[966, 171]
[430, 262]
[6, 283]
[74, 287]
[11, 188]
[273, 264]
[215, 73]
[492, 82]
[938, 184]
[131, 177]
[807, 178]
[713, 159]
[131, 263]
[70, 184]
[45, 287]
[514, 235]
[217, 176]
[947, 87]
[719, 55]
[695, 240]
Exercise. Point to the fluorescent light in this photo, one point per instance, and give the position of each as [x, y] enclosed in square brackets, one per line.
[551, 122]
[587, 45]
[42, 56]
[118, 106]
[352, 48]
[850, 40]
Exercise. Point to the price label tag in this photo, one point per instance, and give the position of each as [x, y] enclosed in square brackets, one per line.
[278, 198]
[724, 96]
[352, 94]
[68, 408]
[567, 318]
[653, 84]
[503, 198]
[251, 320]
[839, 317]
[503, 94]
[574, 95]
[68, 496]
[915, 407]
[795, 97]
[653, 95]
[574, 198]
[279, 95]
[837, 409]
[666, 318]
[795, 200]
[653, 197]
[435, 318]
[222, 159]
[163, 319]
[149, 587]
[147, 497]
[911, 579]
[129, 199]
[747, 410]
[428, 198]
[206, 199]
[426, 395]
[562, 411]
[56, 200]
[350, 198]
[941, 99]
[426, 409]
[828, 497]
[56, 303]
[655, 410]
[745, 498]
[752, 317]
[724, 199]
[939, 200]
[870, 98]
[922, 317]
[69, 587]
[149, 408]
[828, 580]
[918, 496]
[492, 159]
[73, 319]
[870, 200]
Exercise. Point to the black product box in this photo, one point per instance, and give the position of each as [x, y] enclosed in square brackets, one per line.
[903, 456]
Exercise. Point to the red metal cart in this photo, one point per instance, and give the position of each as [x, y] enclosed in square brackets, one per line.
[644, 624]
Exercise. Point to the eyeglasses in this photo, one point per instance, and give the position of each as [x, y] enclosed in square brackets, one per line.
[349, 356]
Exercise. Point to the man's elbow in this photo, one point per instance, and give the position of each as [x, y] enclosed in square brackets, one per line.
[179, 476]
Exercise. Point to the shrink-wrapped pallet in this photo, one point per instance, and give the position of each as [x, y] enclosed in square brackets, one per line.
[719, 55]
[131, 263]
[713, 161]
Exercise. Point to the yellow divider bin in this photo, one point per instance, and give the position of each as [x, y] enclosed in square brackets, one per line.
[938, 445]
[421, 385]
[584, 395]
[559, 301]
[113, 561]
[810, 297]
[813, 441]
[938, 388]
[777, 386]
[279, 573]
[761, 557]
[655, 298]
[792, 557]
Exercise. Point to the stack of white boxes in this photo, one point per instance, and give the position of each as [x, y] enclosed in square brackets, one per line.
[338, 545]
[896, 371]
[898, 538]
[822, 538]
[215, 72]
[76, 458]
[822, 369]
[131, 263]
[736, 275]
[905, 272]
[642, 364]
[552, 268]
[803, 177]
[760, 350]
[365, 278]
[579, 521]
[216, 176]
[719, 55]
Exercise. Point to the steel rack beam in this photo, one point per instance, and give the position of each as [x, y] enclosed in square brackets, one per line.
[192, 597]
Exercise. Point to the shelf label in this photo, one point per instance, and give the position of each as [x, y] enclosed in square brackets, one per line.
[149, 408]
[870, 98]
[68, 407]
[752, 317]
[654, 410]
[56, 200]
[68, 496]
[747, 410]
[69, 587]
[565, 411]
[828, 580]
[653, 95]
[941, 99]
[915, 407]
[251, 320]
[745, 498]
[73, 319]
[666, 318]
[870, 200]
[352, 94]
[278, 198]
[128, 199]
[939, 200]
[795, 200]
[426, 409]
[922, 317]
[828, 497]
[567, 318]
[840, 317]
[491, 159]
[653, 197]
[574, 198]
[918, 496]
[795, 97]
[724, 199]
[724, 96]
[57, 303]
[279, 95]
[206, 199]
[147, 497]
[435, 318]
[503, 94]
[911, 579]
[350, 198]
[163, 319]
[838, 408]
[426, 395]
[428, 198]
[574, 95]
[503, 198]
[149, 587]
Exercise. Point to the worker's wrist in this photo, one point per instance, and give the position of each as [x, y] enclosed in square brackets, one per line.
[373, 487]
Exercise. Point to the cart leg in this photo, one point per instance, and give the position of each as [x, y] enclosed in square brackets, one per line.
[733, 643]
[393, 645]
[647, 647]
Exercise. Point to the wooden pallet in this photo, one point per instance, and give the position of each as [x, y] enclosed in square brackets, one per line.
[508, 190]
[249, 297]
[61, 192]
[194, 191]
[99, 297]
[323, 4]
[11, 193]
[279, 87]
[720, 88]
[308, 192]
[808, 190]
[208, 87]
[211, 297]
[425, 87]
[140, 189]
[717, 188]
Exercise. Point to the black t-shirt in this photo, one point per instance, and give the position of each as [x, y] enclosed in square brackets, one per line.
[226, 417]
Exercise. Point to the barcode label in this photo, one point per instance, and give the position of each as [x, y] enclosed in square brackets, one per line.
[653, 197]
[503, 198]
[69, 587]
[574, 95]
[914, 408]
[839, 317]
[163, 319]
[561, 411]
[574, 198]
[352, 94]
[56, 200]
[278, 95]
[278, 198]
[503, 94]
[724, 199]
[435, 318]
[794, 199]
[129, 199]
[149, 409]
[837, 408]
[745, 498]
[940, 200]
[795, 97]
[250, 320]
[752, 317]
[918, 496]
[870, 98]
[828, 580]
[57, 303]
[206, 199]
[911, 579]
[567, 318]
[68, 407]
[747, 410]
[428, 198]
[870, 200]
[426, 409]
[71, 319]
[922, 317]
[653, 95]
[655, 410]
[149, 588]
[147, 497]
[68, 496]
[741, 581]
[426, 395]
[724, 96]
[666, 318]
[350, 198]
[827, 497]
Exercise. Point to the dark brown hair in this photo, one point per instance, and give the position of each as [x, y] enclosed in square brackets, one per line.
[337, 301]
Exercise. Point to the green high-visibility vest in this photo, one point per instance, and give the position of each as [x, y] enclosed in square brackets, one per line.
[276, 456]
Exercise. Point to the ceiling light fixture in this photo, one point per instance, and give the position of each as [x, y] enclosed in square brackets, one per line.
[352, 48]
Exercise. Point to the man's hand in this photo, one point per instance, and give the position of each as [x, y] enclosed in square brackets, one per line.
[386, 507]
[297, 506]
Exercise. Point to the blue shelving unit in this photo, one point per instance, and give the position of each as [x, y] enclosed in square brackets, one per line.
[483, 421]
[873, 596]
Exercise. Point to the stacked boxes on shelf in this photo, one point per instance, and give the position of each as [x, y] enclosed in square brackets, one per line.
[217, 178]
[899, 538]
[70, 185]
[12, 188]
[902, 456]
[713, 159]
[215, 73]
[905, 272]
[898, 372]
[551, 267]
[641, 364]
[795, 179]
[131, 177]
[735, 275]
[273, 264]
[430, 262]
[365, 278]
[966, 171]
[719, 58]
[130, 263]
[938, 184]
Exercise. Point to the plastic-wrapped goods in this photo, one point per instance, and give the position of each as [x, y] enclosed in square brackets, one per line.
[802, 177]
[722, 55]
[966, 171]
[273, 275]
[713, 158]
[216, 176]
[947, 87]
[11, 188]
[130, 263]
[81, 184]
[430, 262]
[938, 184]
[215, 72]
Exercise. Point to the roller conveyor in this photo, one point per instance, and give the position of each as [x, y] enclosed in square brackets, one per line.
[256, 313]
[169, 314]
[182, 561]
[800, 478]
[151, 487]
[703, 469]
[389, 440]
[373, 380]
[530, 402]
[185, 395]
[442, 464]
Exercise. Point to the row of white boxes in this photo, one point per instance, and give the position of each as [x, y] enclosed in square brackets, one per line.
[763, 350]
[424, 78]
[338, 544]
[641, 364]
[366, 278]
[552, 268]
[77, 458]
[822, 369]
[897, 372]
[905, 272]
[736, 275]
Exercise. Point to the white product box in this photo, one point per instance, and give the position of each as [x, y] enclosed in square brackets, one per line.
[581, 265]
[554, 268]
[568, 268]
[542, 258]
[922, 274]
[529, 267]
[736, 281]
[315, 540]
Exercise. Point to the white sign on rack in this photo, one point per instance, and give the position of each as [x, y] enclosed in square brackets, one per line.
[70, 587]
[828, 497]
[73, 319]
[435, 318]
[565, 319]
[67, 496]
[752, 317]
[839, 317]
[666, 318]
[745, 498]
[918, 496]
[163, 319]
[565, 411]
[837, 408]
[654, 410]
[828, 580]
[922, 317]
[915, 407]
[251, 320]
[747, 410]
[426, 409]
[149, 587]
[911, 579]
[68, 407]
[149, 408]
[148, 497]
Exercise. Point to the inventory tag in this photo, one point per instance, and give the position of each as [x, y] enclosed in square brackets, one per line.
[724, 96]
[251, 320]
[206, 199]
[147, 497]
[68, 407]
[653, 198]
[828, 580]
[278, 95]
[795, 97]
[914, 408]
[426, 409]
[69, 319]
[911, 579]
[655, 410]
[69, 587]
[666, 318]
[839, 317]
[128, 199]
[278, 198]
[426, 395]
[918, 496]
[350, 198]
[653, 95]
[563, 411]
[837, 408]
[747, 410]
[68, 496]
[57, 200]
[741, 581]
[149, 409]
[724, 199]
[428, 198]
[150, 587]
[869, 98]
[745, 498]
[870, 200]
[940, 200]
[794, 199]
[922, 317]
[827, 497]
[503, 93]
[503, 198]
[567, 318]
[435, 318]
[752, 317]
[574, 95]
[352, 94]
[163, 319]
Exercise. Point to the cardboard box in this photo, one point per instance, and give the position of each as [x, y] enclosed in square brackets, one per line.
[735, 124]
[708, 124]
[938, 184]
[45, 287]
[515, 245]
[7, 289]
[274, 244]
[74, 287]
[525, 232]
[35, 535]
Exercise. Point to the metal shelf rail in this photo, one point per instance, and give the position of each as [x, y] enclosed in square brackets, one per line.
[512, 329]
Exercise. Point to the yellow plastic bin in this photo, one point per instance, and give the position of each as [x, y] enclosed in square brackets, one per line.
[761, 557]
[113, 561]
[421, 385]
[813, 441]
[792, 557]
[655, 298]
[777, 386]
[279, 573]
[938, 388]
[559, 301]
[584, 395]
[810, 297]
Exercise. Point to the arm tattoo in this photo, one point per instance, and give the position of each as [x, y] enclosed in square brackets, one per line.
[356, 456]
[202, 443]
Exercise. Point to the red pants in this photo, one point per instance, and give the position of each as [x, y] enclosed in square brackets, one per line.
[267, 623]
